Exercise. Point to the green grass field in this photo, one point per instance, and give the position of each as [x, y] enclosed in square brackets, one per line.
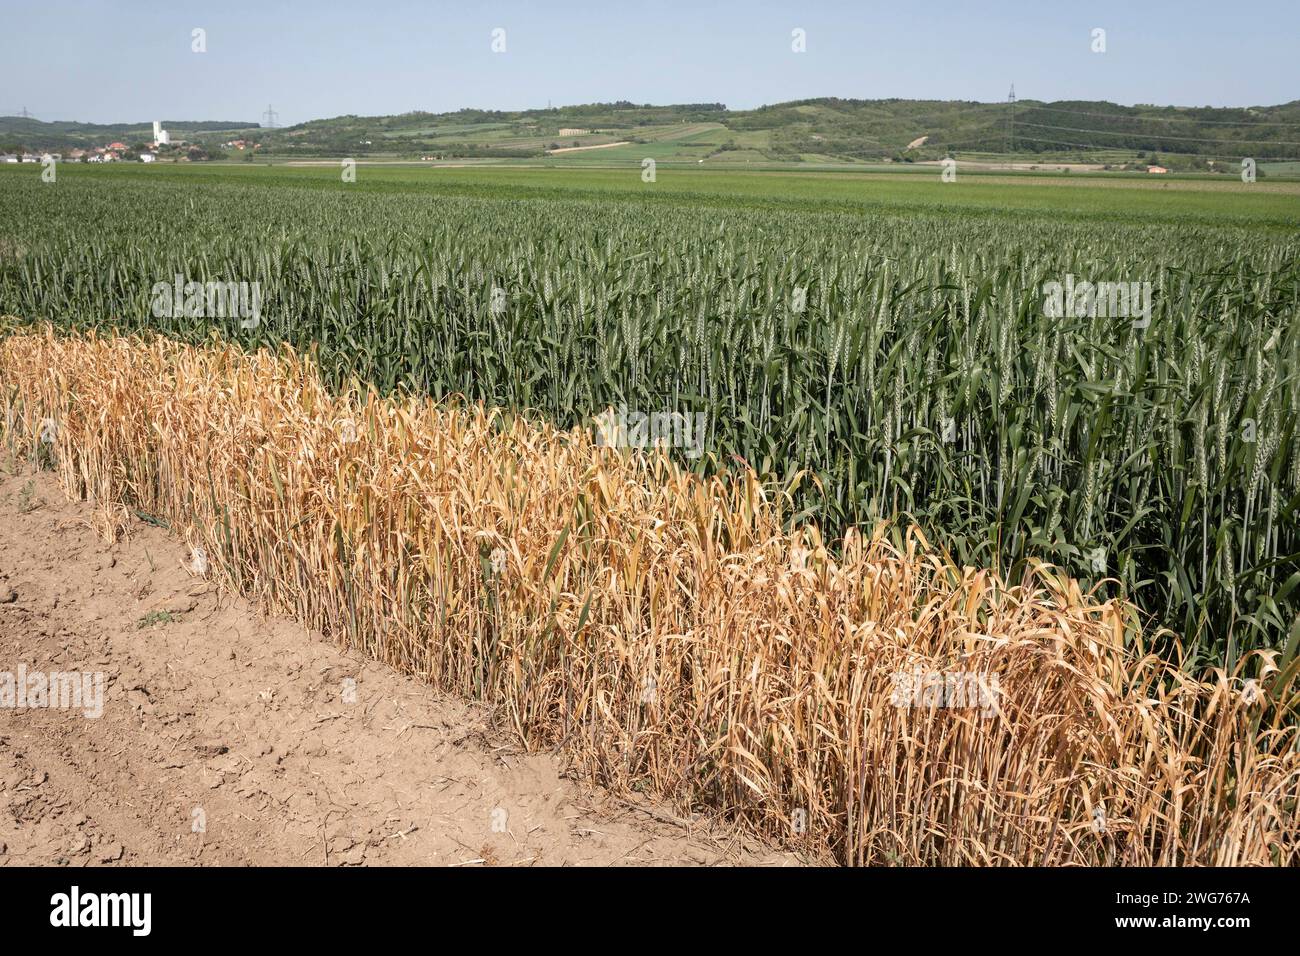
[1201, 200]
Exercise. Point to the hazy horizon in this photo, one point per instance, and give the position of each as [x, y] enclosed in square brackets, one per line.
[101, 62]
[487, 109]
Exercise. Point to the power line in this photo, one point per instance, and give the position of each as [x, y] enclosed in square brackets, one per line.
[1164, 119]
[270, 116]
[984, 146]
[1027, 106]
[1034, 158]
[1123, 149]
[1057, 142]
[1141, 133]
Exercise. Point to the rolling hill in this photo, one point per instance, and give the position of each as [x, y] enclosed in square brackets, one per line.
[828, 130]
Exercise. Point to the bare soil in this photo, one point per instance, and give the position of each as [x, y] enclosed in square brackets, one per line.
[230, 737]
[580, 149]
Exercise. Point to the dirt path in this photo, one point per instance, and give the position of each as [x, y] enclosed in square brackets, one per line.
[229, 738]
[582, 149]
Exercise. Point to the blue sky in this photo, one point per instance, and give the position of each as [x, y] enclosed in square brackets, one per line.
[102, 61]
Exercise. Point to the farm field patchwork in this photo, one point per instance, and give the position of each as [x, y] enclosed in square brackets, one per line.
[1127, 199]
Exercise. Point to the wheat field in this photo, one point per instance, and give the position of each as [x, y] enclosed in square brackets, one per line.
[901, 365]
[664, 631]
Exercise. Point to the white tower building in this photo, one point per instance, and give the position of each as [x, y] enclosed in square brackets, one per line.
[160, 135]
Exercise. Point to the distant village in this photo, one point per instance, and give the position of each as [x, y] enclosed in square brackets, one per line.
[162, 146]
